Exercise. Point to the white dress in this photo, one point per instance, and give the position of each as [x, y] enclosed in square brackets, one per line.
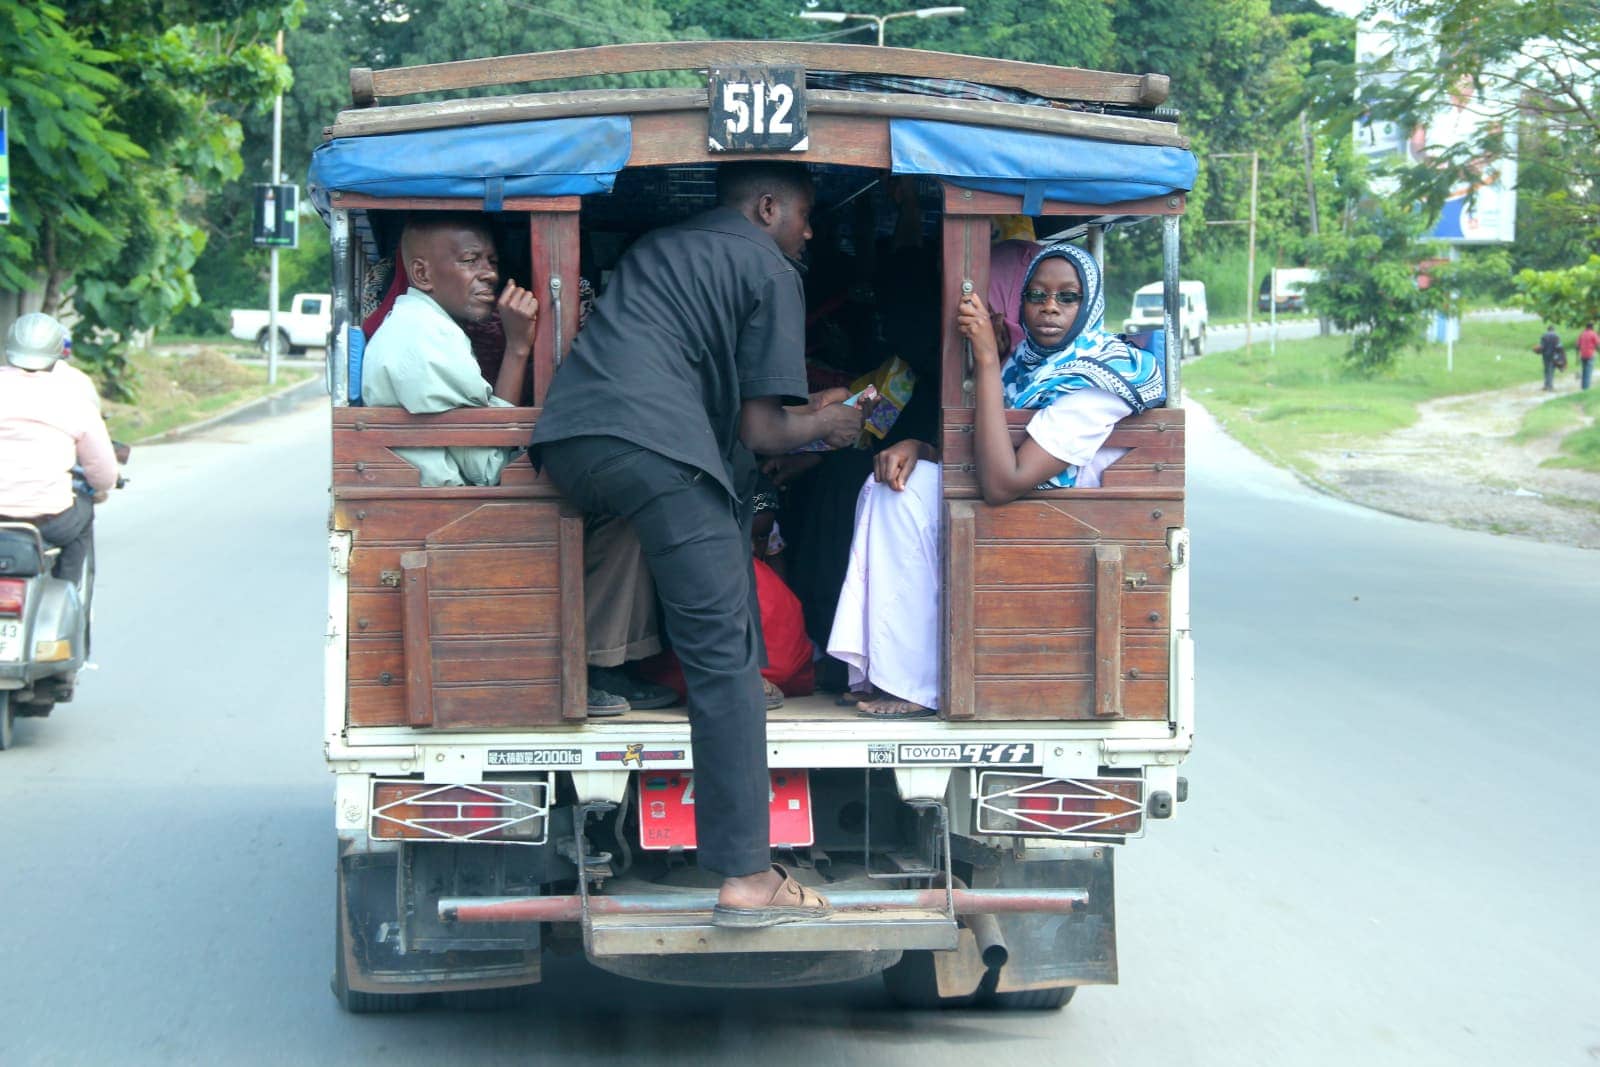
[886, 628]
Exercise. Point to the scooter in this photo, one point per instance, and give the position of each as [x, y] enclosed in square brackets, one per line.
[44, 623]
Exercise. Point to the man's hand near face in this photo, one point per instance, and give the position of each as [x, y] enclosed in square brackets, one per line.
[519, 315]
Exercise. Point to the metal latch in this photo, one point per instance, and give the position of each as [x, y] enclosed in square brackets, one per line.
[1135, 579]
[389, 578]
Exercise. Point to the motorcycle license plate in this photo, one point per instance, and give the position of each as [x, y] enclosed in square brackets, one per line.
[10, 641]
[666, 809]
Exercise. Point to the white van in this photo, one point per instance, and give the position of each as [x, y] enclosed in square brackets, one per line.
[1192, 314]
[1286, 287]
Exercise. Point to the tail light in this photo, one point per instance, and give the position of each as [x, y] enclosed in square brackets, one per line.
[489, 811]
[13, 597]
[1031, 805]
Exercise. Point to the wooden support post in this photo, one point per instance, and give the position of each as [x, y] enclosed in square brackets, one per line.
[574, 639]
[1108, 631]
[960, 697]
[418, 641]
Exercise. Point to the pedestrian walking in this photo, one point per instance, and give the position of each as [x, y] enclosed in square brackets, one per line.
[1550, 351]
[1588, 341]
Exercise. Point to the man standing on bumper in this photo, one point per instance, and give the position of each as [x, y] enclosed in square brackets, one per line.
[682, 371]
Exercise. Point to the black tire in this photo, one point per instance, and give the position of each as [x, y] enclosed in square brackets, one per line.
[7, 720]
[911, 983]
[1197, 348]
[284, 347]
[1052, 999]
[354, 1001]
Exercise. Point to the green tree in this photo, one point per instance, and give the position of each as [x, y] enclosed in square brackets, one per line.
[1570, 297]
[143, 132]
[1369, 286]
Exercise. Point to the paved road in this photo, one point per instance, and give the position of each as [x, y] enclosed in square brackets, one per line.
[1387, 857]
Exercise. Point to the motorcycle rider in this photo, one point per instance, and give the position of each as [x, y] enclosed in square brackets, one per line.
[50, 421]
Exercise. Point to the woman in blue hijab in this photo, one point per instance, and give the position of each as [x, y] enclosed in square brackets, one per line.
[1080, 379]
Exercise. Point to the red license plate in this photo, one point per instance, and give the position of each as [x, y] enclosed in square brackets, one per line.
[666, 809]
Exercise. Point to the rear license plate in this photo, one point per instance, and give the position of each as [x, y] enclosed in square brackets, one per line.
[10, 642]
[666, 809]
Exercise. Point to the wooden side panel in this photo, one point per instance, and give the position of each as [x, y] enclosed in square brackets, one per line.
[1154, 461]
[494, 615]
[483, 645]
[1068, 610]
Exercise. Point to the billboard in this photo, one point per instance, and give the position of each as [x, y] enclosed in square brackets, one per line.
[1482, 207]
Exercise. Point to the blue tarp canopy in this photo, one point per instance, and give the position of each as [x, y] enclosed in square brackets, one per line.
[579, 156]
[553, 157]
[1039, 166]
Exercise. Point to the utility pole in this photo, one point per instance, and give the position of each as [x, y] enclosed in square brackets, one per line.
[1324, 327]
[1250, 260]
[272, 254]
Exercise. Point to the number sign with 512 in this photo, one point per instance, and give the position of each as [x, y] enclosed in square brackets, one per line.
[758, 109]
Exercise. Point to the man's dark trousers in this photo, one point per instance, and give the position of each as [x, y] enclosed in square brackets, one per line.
[699, 557]
[73, 531]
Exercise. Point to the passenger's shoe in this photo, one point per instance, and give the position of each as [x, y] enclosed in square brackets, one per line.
[604, 705]
[637, 694]
[773, 694]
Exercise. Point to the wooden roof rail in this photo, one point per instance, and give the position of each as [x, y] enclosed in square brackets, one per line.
[1056, 83]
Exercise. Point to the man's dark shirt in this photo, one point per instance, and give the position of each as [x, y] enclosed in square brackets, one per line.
[697, 318]
[1549, 341]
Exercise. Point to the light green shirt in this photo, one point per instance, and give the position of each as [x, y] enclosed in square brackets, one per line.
[420, 360]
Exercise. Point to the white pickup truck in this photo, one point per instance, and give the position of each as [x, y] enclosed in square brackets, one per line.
[305, 325]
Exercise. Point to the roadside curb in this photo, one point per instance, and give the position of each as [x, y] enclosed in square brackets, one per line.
[310, 386]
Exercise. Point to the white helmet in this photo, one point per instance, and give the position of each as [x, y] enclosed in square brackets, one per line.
[35, 342]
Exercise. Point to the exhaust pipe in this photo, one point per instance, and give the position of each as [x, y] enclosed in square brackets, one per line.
[991, 942]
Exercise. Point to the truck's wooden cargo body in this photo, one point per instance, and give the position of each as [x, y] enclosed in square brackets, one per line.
[457, 613]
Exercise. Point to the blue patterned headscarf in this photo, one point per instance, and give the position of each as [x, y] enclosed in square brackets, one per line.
[1088, 356]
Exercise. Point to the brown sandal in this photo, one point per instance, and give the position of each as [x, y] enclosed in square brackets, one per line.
[894, 708]
[773, 694]
[854, 697]
[791, 902]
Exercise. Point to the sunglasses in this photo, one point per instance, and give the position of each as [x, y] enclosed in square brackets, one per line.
[1063, 296]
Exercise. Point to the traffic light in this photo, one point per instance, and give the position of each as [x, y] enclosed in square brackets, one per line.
[277, 217]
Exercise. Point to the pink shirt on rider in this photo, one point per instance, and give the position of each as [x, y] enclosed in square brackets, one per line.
[48, 422]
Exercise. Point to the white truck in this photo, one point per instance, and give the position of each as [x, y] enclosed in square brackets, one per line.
[1284, 289]
[305, 325]
[484, 820]
[1146, 314]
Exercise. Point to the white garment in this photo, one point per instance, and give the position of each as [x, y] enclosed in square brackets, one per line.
[421, 360]
[887, 626]
[1074, 427]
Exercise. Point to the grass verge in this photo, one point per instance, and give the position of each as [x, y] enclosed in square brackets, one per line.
[176, 390]
[1303, 400]
[1577, 417]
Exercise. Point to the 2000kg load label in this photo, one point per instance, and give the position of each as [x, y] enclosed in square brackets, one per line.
[972, 753]
[535, 757]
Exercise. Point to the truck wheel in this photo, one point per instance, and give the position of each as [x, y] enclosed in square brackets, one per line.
[7, 720]
[354, 1001]
[263, 342]
[1197, 345]
[1052, 999]
[911, 983]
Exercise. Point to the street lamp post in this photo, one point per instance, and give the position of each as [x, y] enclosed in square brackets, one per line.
[879, 20]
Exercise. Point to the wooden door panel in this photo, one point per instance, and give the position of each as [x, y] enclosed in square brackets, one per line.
[1059, 606]
[457, 616]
